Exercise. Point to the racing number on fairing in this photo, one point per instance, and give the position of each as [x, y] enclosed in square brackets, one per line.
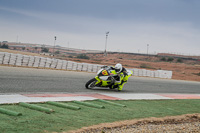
[104, 72]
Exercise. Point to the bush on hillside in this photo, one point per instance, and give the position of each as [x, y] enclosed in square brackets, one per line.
[179, 60]
[83, 56]
[4, 46]
[163, 59]
[45, 50]
[57, 52]
[146, 66]
[170, 59]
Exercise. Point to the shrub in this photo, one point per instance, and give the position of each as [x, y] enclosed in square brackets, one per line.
[4, 46]
[163, 59]
[57, 52]
[46, 50]
[198, 74]
[179, 60]
[83, 56]
[146, 66]
[170, 59]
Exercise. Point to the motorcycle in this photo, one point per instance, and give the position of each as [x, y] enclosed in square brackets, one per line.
[106, 77]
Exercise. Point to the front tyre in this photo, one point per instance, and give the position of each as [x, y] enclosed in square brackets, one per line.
[91, 83]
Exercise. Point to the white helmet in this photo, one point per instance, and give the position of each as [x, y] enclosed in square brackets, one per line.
[118, 68]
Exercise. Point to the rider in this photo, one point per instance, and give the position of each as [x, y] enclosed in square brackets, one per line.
[122, 76]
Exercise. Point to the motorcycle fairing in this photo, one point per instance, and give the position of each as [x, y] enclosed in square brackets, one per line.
[104, 78]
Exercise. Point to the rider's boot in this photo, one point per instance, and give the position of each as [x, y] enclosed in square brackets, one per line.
[120, 87]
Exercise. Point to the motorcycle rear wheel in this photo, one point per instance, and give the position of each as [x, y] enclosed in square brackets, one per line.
[91, 83]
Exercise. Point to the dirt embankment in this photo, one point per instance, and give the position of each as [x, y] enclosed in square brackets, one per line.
[184, 123]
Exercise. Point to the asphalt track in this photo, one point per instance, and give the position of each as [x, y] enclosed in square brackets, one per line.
[30, 80]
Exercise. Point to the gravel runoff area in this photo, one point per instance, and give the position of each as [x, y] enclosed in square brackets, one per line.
[189, 123]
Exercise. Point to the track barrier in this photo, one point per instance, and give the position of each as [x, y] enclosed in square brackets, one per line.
[43, 62]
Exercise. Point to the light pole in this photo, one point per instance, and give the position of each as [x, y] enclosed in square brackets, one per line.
[147, 49]
[54, 45]
[105, 53]
[17, 39]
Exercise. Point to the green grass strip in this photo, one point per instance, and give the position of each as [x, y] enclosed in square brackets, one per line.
[109, 102]
[9, 112]
[89, 104]
[63, 105]
[63, 121]
[35, 107]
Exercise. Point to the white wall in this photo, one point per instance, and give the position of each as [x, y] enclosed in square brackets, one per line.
[42, 62]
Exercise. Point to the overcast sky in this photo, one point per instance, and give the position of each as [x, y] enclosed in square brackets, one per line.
[166, 25]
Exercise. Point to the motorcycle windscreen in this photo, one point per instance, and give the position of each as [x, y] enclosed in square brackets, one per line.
[105, 78]
[129, 72]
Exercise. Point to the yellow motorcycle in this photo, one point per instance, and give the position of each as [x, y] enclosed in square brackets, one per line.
[106, 77]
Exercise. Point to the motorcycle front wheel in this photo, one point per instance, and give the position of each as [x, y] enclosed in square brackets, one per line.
[91, 83]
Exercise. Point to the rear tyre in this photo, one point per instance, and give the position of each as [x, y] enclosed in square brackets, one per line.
[91, 83]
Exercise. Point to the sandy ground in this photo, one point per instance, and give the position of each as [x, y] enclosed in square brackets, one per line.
[173, 124]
